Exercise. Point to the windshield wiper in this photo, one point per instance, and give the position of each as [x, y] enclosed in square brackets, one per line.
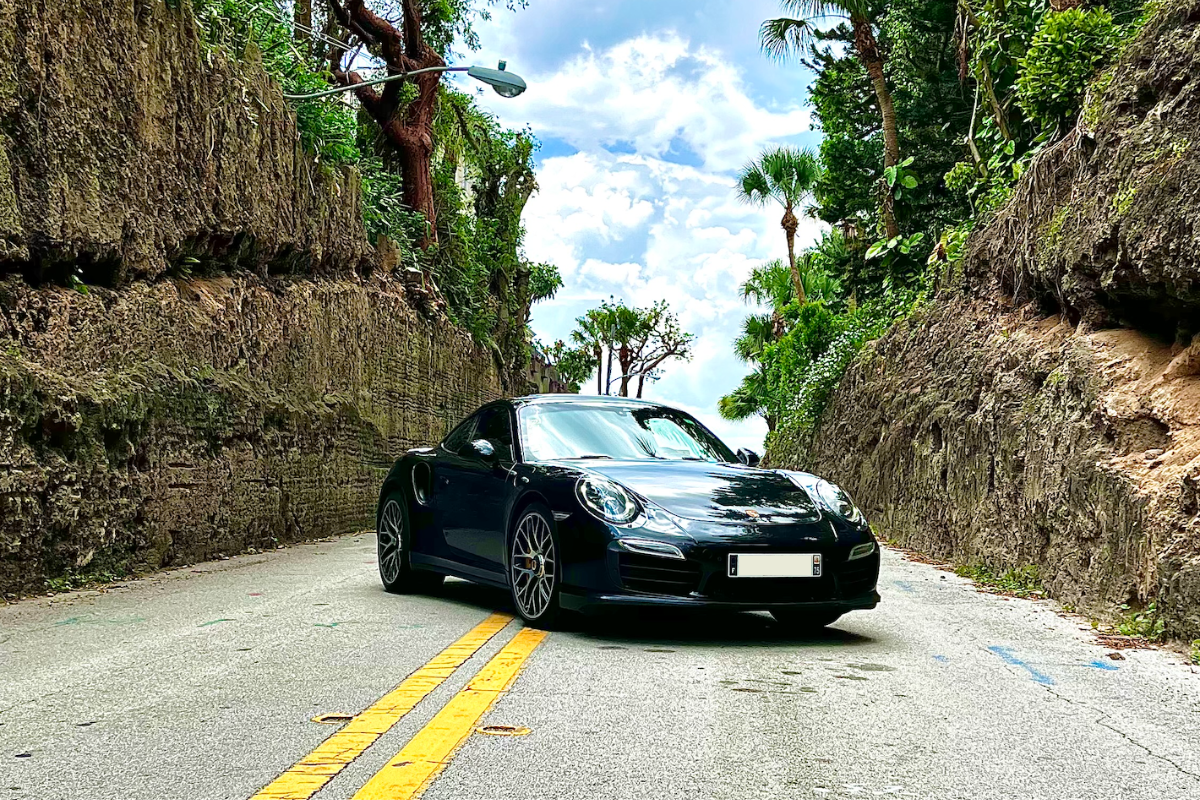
[593, 455]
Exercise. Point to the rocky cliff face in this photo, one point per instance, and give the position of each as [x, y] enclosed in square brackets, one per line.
[1045, 409]
[1104, 227]
[986, 435]
[126, 147]
[162, 418]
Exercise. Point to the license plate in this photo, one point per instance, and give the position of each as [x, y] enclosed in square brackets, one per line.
[774, 565]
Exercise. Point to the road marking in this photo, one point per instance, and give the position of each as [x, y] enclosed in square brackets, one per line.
[308, 775]
[1007, 656]
[429, 752]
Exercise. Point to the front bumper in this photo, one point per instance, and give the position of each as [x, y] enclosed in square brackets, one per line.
[701, 580]
[595, 603]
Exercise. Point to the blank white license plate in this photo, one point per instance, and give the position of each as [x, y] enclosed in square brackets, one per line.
[774, 565]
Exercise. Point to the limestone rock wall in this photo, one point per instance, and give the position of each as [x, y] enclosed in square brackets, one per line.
[162, 418]
[172, 422]
[1104, 225]
[1045, 408]
[127, 147]
[981, 434]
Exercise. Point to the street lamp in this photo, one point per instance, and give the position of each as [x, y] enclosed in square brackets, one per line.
[506, 84]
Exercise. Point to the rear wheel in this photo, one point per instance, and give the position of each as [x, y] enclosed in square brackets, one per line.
[535, 568]
[391, 549]
[804, 621]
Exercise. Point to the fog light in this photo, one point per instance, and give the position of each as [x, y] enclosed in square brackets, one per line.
[649, 547]
[862, 550]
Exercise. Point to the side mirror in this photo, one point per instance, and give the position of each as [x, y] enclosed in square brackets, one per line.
[748, 457]
[483, 450]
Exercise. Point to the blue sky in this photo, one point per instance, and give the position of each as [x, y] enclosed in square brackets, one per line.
[646, 110]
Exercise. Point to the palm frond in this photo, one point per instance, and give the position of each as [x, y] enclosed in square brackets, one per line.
[754, 187]
[748, 399]
[783, 37]
[769, 285]
[794, 172]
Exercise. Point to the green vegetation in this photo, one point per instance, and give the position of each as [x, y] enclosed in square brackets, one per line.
[1065, 53]
[1020, 582]
[1194, 656]
[466, 246]
[1145, 624]
[931, 111]
[86, 579]
[637, 342]
[784, 176]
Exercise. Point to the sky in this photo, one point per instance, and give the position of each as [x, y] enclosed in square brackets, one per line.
[646, 110]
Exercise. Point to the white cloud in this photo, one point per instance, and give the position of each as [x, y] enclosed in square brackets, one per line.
[661, 222]
[655, 94]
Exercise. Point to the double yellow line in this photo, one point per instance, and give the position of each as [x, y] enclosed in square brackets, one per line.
[431, 749]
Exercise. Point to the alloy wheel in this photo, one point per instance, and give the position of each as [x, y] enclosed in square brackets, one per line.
[534, 566]
[389, 540]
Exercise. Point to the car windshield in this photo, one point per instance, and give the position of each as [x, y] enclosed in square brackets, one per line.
[613, 430]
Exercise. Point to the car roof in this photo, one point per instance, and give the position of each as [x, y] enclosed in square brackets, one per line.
[582, 399]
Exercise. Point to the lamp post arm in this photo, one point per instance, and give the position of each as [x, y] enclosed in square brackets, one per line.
[375, 82]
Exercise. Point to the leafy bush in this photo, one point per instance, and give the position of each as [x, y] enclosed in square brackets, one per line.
[807, 383]
[1020, 582]
[1067, 50]
[1144, 624]
[384, 213]
[240, 28]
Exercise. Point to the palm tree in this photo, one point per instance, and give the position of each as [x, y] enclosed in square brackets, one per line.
[783, 175]
[747, 400]
[789, 35]
[819, 284]
[590, 336]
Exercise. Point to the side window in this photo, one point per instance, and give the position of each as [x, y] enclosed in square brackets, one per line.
[460, 436]
[496, 427]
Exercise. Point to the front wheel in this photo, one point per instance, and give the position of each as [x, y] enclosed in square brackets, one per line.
[391, 549]
[804, 621]
[535, 568]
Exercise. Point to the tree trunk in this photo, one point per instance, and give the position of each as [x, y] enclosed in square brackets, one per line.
[608, 373]
[409, 130]
[641, 384]
[872, 59]
[416, 173]
[790, 226]
[599, 353]
[302, 15]
[989, 89]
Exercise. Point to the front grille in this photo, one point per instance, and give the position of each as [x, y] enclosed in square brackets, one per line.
[654, 575]
[769, 590]
[858, 577]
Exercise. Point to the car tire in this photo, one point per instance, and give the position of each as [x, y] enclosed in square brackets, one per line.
[391, 551]
[535, 567]
[804, 621]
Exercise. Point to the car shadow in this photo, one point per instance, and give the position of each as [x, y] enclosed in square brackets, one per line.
[666, 626]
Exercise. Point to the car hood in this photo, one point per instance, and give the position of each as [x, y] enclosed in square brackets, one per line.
[713, 492]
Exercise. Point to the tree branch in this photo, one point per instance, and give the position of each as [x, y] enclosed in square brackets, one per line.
[342, 15]
[414, 41]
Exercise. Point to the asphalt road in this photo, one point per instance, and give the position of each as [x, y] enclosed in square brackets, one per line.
[202, 683]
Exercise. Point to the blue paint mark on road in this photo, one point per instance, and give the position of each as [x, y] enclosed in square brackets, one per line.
[1104, 665]
[1007, 654]
[942, 659]
[904, 586]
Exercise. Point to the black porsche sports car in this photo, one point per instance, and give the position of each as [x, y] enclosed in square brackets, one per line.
[580, 503]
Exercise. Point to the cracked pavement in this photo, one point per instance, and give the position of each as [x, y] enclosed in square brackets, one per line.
[202, 683]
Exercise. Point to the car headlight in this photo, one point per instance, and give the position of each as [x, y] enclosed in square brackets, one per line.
[831, 498]
[861, 550]
[607, 500]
